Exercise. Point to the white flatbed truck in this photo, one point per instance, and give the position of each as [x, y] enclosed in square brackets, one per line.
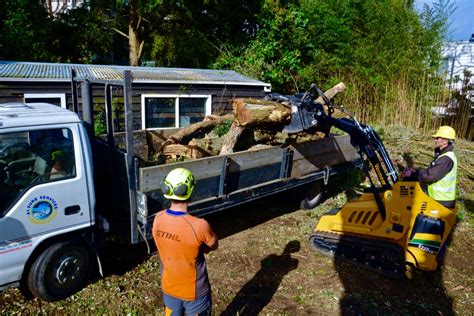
[53, 218]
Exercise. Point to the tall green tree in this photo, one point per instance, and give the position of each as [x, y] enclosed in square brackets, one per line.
[384, 50]
[184, 33]
[163, 32]
[24, 30]
[29, 32]
[194, 34]
[280, 51]
[84, 35]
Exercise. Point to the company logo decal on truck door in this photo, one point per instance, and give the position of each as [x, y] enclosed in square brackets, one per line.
[42, 209]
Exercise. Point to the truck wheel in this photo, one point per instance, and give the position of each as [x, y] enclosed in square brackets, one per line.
[60, 271]
[314, 195]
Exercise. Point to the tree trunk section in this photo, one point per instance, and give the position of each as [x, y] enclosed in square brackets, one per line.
[250, 112]
[331, 93]
[204, 126]
[206, 146]
[230, 139]
[134, 42]
[263, 113]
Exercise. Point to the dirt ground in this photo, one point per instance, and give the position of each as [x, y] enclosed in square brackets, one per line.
[264, 265]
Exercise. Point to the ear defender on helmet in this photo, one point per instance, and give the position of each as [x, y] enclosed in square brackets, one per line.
[179, 184]
[167, 188]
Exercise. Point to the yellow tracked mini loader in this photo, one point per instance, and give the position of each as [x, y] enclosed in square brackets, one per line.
[393, 224]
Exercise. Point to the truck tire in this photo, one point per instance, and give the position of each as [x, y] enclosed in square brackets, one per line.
[314, 195]
[60, 271]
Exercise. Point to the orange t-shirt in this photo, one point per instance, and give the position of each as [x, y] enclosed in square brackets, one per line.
[179, 238]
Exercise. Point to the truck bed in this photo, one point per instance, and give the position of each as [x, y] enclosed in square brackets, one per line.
[230, 180]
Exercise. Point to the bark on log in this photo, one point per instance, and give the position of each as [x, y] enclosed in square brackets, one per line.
[191, 151]
[176, 150]
[230, 139]
[249, 112]
[331, 93]
[204, 126]
[207, 146]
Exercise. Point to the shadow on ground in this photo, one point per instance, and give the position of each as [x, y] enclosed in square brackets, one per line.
[258, 291]
[368, 293]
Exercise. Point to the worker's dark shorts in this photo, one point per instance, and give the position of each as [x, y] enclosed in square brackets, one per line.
[176, 306]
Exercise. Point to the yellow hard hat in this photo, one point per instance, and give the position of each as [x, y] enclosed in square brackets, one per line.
[445, 132]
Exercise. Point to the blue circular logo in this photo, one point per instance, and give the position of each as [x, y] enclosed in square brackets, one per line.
[41, 210]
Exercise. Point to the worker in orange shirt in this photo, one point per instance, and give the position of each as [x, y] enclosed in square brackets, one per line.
[182, 240]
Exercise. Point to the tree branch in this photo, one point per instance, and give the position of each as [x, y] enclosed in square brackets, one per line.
[120, 32]
[139, 22]
[140, 49]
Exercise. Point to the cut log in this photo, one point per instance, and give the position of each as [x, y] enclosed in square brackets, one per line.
[175, 150]
[331, 93]
[188, 133]
[284, 139]
[231, 138]
[207, 146]
[250, 112]
[263, 113]
[190, 151]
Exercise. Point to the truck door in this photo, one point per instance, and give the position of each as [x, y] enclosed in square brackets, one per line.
[44, 191]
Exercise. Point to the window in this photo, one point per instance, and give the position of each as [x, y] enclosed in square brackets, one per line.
[171, 111]
[58, 99]
[33, 157]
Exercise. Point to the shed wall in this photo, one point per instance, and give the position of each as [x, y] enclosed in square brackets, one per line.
[222, 95]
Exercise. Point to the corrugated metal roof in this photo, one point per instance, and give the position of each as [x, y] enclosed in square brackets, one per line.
[21, 71]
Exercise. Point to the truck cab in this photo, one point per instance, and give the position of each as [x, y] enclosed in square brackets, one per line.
[46, 200]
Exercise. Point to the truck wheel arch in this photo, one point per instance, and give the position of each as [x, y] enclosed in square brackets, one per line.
[45, 252]
[314, 194]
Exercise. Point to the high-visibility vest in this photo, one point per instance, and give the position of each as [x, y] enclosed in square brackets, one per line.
[445, 188]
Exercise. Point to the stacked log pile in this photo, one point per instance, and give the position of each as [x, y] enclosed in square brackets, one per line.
[254, 124]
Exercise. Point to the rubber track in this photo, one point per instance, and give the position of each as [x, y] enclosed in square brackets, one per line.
[380, 256]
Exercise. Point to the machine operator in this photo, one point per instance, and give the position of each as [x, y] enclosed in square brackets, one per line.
[439, 179]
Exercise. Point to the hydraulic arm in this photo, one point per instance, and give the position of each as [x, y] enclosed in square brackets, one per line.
[307, 115]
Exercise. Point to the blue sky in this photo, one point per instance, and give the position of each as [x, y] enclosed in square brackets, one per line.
[462, 20]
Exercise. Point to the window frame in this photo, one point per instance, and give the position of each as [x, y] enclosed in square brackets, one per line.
[207, 110]
[60, 96]
[78, 168]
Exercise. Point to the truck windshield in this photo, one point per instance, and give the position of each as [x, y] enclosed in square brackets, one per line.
[33, 157]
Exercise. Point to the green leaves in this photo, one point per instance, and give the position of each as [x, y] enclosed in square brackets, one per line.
[387, 53]
[280, 50]
[20, 36]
